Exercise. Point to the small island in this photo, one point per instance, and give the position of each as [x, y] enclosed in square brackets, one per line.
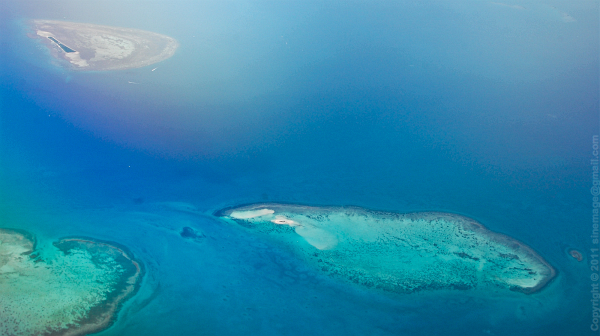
[78, 290]
[95, 47]
[401, 253]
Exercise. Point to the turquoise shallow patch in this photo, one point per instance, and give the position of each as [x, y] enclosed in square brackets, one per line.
[399, 252]
[77, 292]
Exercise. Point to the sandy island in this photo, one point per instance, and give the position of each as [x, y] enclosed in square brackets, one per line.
[94, 47]
[78, 292]
[398, 252]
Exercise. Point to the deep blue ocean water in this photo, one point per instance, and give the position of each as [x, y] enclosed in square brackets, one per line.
[469, 107]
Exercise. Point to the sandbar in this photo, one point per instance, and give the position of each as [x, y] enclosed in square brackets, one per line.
[397, 252]
[95, 47]
[76, 292]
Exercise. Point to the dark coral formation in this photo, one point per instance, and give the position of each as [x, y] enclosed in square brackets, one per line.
[192, 234]
[576, 254]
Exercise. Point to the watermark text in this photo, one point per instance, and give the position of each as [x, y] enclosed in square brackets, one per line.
[594, 267]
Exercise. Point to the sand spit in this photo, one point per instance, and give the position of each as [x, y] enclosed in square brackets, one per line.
[78, 292]
[95, 47]
[398, 252]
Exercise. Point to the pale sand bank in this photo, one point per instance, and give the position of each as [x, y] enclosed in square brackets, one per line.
[250, 213]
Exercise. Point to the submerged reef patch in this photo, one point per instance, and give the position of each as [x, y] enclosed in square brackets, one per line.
[192, 234]
[576, 254]
[77, 291]
[395, 252]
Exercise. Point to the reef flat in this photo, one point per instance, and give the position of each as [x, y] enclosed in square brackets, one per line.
[95, 47]
[395, 252]
[76, 292]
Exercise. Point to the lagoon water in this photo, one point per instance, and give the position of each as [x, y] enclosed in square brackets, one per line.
[477, 108]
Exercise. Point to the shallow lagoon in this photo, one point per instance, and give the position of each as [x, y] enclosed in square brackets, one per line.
[62, 46]
[76, 291]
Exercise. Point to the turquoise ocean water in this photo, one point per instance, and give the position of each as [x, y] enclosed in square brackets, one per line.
[472, 107]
